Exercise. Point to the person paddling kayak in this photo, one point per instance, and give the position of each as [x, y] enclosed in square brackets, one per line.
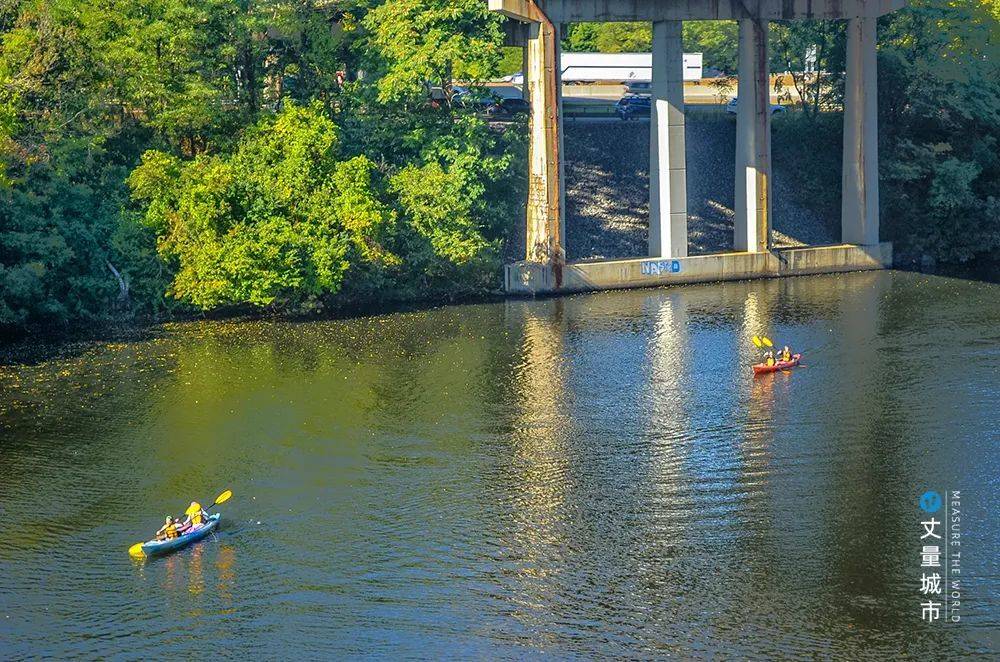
[174, 534]
[169, 530]
[174, 527]
[772, 365]
[195, 516]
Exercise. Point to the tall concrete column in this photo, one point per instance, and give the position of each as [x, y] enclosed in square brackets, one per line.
[859, 212]
[545, 225]
[753, 140]
[667, 166]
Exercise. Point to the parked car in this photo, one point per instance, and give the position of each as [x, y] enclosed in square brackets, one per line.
[776, 108]
[633, 105]
[638, 87]
[474, 99]
[508, 107]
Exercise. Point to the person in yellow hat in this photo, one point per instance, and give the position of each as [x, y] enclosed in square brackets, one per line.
[195, 516]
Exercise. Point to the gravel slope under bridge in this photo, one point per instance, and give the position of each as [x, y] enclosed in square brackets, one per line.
[607, 191]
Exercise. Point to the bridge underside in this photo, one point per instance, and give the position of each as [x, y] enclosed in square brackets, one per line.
[544, 268]
[589, 11]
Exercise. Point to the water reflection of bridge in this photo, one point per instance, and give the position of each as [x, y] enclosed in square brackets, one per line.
[652, 463]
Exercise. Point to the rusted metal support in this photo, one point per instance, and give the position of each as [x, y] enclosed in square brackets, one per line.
[520, 10]
[545, 224]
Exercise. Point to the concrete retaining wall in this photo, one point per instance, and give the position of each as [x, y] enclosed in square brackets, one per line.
[530, 278]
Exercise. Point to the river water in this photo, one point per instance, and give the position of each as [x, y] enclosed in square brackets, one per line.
[593, 475]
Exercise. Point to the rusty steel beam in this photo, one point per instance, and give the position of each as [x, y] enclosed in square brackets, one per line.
[544, 236]
[525, 11]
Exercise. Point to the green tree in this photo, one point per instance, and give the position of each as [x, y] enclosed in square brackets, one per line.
[609, 38]
[297, 217]
[421, 42]
[273, 224]
[820, 88]
[939, 101]
[717, 41]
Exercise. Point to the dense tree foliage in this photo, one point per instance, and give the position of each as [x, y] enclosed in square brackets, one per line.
[289, 215]
[939, 100]
[275, 153]
[425, 42]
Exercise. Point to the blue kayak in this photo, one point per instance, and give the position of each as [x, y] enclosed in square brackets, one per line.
[154, 547]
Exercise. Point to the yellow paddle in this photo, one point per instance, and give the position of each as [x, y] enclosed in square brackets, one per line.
[136, 549]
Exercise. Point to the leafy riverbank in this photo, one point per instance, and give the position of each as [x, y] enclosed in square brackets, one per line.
[161, 158]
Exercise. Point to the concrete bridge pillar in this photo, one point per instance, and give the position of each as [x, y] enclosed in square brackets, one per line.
[667, 165]
[753, 139]
[545, 218]
[860, 205]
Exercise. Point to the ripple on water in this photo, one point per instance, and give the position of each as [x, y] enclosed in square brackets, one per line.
[590, 476]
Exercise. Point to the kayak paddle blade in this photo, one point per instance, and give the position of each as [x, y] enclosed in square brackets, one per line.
[135, 551]
[225, 496]
[766, 341]
[756, 341]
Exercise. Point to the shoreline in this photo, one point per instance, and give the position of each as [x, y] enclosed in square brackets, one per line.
[33, 347]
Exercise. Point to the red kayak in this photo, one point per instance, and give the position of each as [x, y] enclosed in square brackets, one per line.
[762, 368]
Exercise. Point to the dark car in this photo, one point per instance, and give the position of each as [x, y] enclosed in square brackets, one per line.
[475, 100]
[508, 108]
[633, 105]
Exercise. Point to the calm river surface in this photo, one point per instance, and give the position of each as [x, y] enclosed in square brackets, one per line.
[589, 476]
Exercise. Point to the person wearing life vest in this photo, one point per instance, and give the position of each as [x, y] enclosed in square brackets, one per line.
[786, 354]
[195, 515]
[769, 358]
[168, 531]
[182, 528]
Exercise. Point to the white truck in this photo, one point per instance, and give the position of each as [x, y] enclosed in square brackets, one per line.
[633, 69]
[620, 67]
